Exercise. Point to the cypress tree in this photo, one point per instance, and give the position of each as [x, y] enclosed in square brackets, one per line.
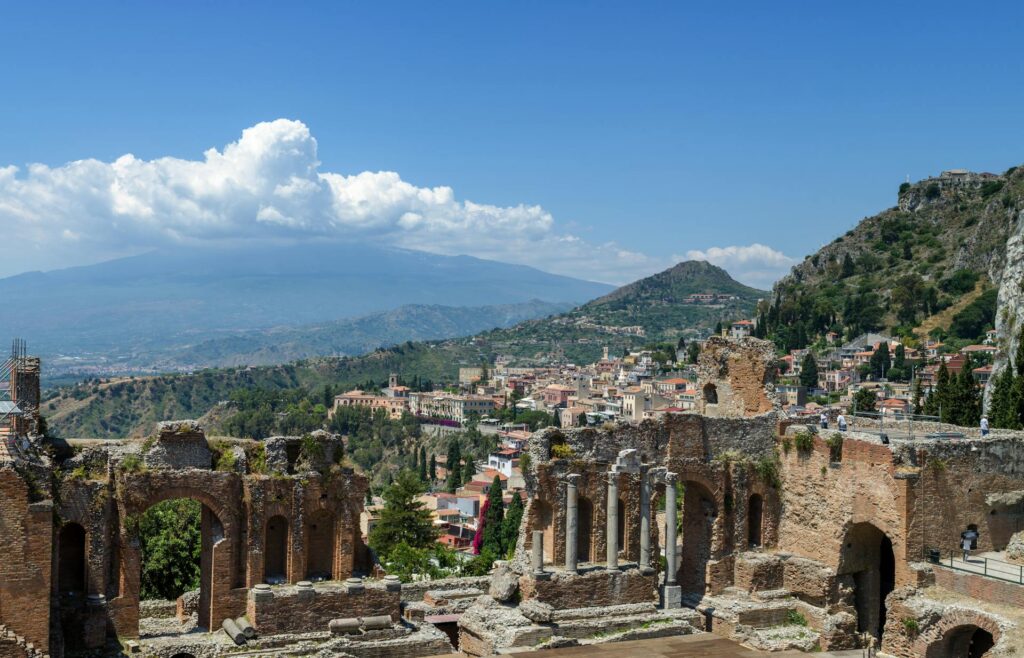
[513, 519]
[1002, 412]
[941, 394]
[880, 362]
[493, 527]
[918, 395]
[468, 471]
[433, 468]
[423, 463]
[454, 467]
[968, 402]
[847, 268]
[809, 371]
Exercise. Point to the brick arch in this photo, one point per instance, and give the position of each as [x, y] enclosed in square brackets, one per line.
[771, 511]
[931, 643]
[225, 516]
[220, 537]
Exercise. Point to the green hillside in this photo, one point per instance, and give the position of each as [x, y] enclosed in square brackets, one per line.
[929, 264]
[131, 406]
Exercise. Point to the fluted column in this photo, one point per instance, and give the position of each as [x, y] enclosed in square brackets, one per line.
[572, 526]
[612, 531]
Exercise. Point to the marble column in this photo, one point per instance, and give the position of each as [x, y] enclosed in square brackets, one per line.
[645, 522]
[670, 529]
[672, 593]
[538, 555]
[612, 530]
[571, 523]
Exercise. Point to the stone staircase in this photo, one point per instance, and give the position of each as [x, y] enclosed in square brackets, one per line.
[12, 639]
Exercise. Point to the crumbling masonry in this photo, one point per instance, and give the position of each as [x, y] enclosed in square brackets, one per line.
[736, 521]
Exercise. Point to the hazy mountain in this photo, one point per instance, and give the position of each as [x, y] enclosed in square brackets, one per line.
[657, 304]
[355, 336]
[126, 309]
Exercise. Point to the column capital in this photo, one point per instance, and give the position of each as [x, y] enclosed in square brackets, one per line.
[572, 479]
[670, 477]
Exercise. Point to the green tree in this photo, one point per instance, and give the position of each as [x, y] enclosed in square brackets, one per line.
[510, 527]
[171, 543]
[454, 466]
[865, 400]
[918, 397]
[494, 532]
[403, 519]
[880, 361]
[942, 394]
[847, 269]
[433, 468]
[692, 352]
[966, 401]
[1002, 411]
[422, 463]
[809, 371]
[468, 470]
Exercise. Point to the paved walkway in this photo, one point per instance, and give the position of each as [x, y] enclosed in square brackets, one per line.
[990, 563]
[702, 645]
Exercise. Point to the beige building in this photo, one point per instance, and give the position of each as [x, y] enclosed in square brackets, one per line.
[439, 404]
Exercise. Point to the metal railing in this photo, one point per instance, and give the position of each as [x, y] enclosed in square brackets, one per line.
[978, 565]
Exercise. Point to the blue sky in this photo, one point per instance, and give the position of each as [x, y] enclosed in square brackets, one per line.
[599, 139]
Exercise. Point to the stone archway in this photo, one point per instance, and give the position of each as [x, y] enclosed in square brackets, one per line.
[755, 520]
[868, 559]
[218, 531]
[959, 634]
[319, 535]
[700, 511]
[275, 550]
[71, 559]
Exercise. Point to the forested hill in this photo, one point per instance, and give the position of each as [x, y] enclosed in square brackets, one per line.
[659, 306]
[929, 265]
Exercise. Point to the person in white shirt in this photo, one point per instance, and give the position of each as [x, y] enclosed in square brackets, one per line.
[841, 419]
[984, 425]
[824, 421]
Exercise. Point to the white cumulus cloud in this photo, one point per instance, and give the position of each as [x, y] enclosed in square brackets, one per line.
[754, 264]
[269, 185]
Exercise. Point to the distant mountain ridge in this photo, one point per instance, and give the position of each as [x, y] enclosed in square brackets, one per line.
[659, 305]
[118, 312]
[412, 322]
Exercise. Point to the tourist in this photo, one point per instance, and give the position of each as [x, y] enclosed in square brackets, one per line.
[824, 421]
[841, 419]
[984, 425]
[965, 543]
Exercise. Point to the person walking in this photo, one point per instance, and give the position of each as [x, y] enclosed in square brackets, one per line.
[824, 421]
[984, 425]
[841, 419]
[965, 544]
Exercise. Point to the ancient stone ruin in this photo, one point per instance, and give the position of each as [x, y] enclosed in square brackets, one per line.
[735, 521]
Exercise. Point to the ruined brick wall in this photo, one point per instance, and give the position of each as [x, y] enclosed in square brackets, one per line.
[102, 493]
[288, 609]
[736, 378]
[962, 483]
[822, 500]
[26, 533]
[179, 444]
